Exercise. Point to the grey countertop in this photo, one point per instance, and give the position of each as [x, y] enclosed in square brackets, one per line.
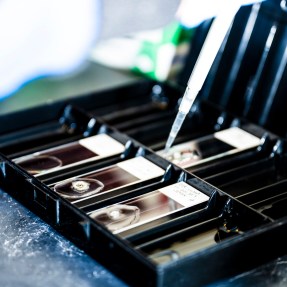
[33, 254]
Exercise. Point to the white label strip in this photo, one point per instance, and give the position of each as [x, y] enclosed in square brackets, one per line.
[238, 138]
[102, 144]
[184, 194]
[141, 168]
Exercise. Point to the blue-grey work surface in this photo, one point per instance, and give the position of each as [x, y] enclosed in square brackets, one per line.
[33, 254]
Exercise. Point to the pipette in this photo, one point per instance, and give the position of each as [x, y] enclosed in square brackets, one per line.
[211, 46]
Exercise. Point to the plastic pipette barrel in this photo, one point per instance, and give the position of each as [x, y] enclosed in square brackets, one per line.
[214, 39]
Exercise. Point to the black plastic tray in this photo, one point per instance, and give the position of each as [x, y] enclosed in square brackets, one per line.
[243, 87]
[135, 249]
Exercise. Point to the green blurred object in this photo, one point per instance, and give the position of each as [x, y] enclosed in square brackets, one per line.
[162, 55]
[158, 54]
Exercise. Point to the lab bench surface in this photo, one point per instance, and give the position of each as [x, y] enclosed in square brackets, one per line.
[33, 254]
[91, 78]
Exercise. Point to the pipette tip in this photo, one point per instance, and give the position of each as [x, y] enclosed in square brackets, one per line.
[168, 144]
[174, 130]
